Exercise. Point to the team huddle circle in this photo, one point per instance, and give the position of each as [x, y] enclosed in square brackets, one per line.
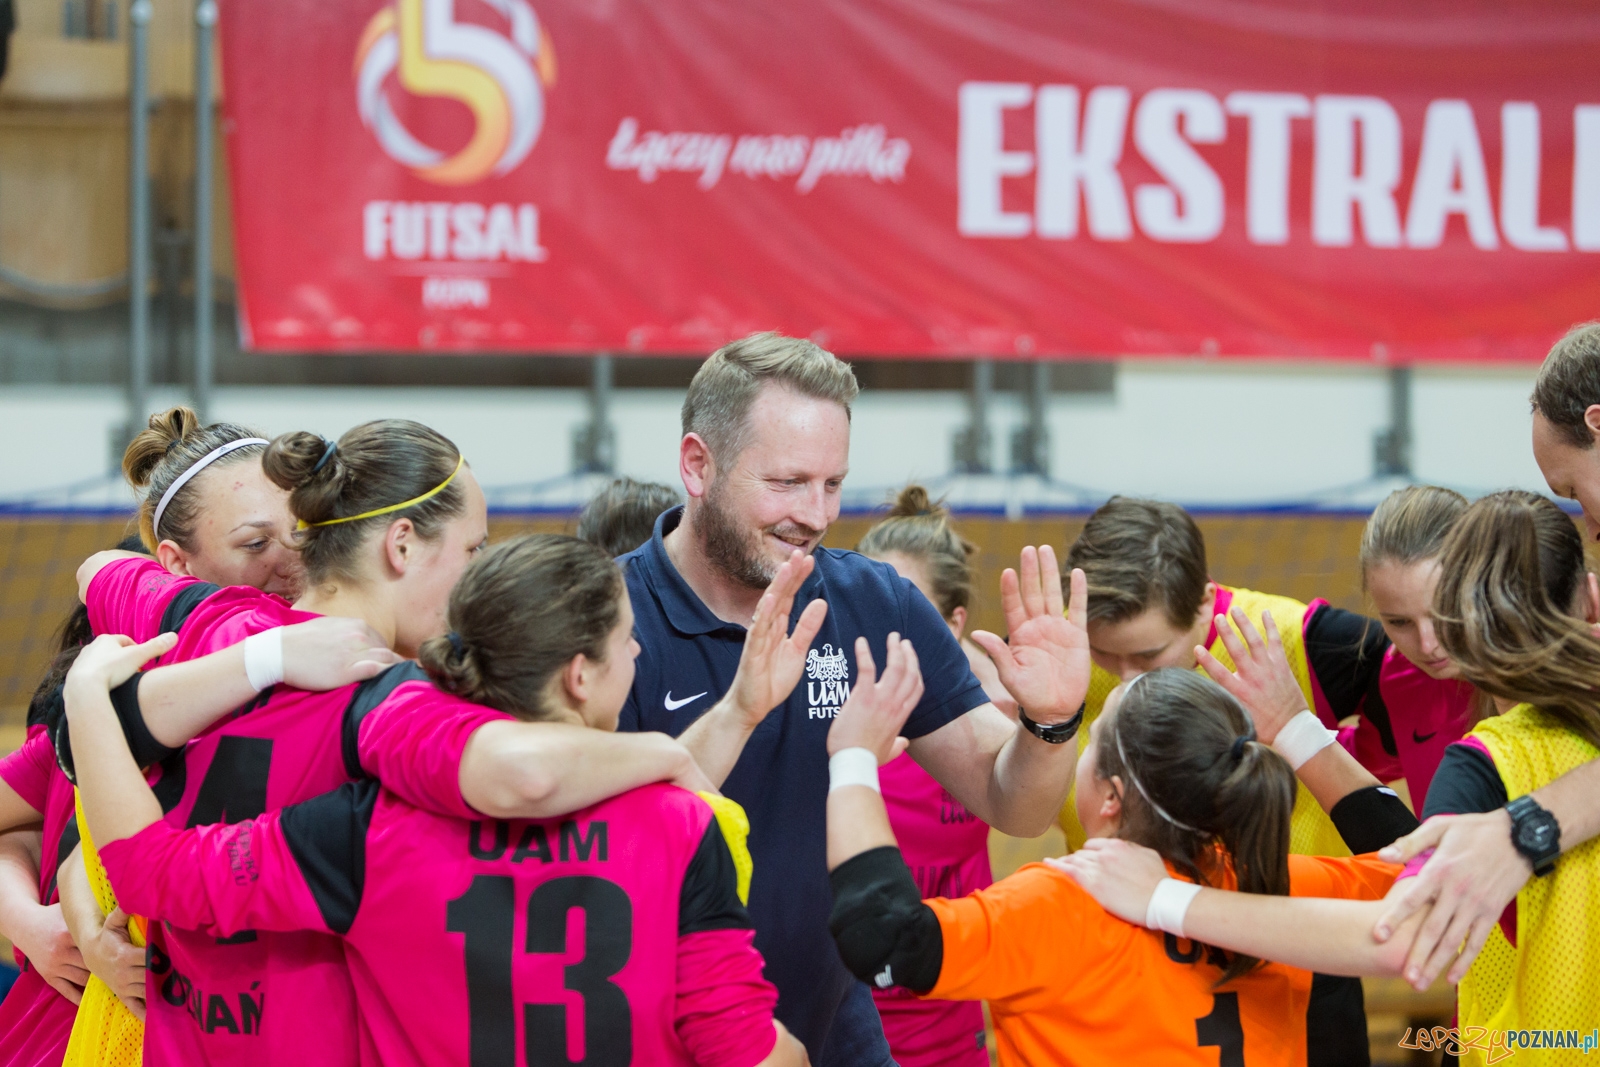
[696, 786]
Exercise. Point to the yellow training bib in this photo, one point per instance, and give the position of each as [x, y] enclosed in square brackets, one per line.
[1550, 980]
[1311, 832]
[105, 1033]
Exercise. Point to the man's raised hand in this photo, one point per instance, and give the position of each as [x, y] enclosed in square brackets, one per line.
[1046, 664]
[773, 658]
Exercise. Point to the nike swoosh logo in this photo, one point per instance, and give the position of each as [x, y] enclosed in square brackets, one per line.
[674, 705]
[1422, 738]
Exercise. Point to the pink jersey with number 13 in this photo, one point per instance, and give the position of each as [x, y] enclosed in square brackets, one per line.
[608, 937]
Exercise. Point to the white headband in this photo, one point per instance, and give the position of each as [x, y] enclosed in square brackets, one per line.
[183, 479]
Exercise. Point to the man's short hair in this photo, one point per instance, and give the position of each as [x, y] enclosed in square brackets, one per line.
[1138, 554]
[622, 516]
[1569, 382]
[726, 385]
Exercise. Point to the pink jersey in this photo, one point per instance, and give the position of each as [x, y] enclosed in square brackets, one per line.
[1426, 714]
[35, 1020]
[256, 999]
[947, 849]
[610, 936]
[208, 1000]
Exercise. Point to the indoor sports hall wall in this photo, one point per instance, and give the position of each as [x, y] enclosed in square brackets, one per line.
[1300, 555]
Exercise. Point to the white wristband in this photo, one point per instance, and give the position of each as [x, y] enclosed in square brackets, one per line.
[1169, 904]
[263, 658]
[1301, 738]
[853, 766]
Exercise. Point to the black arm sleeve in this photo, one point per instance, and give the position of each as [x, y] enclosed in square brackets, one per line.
[327, 835]
[368, 695]
[1345, 652]
[709, 899]
[886, 935]
[1466, 783]
[125, 701]
[125, 697]
[180, 607]
[1371, 818]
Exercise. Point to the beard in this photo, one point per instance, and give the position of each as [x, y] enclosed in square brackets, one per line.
[733, 549]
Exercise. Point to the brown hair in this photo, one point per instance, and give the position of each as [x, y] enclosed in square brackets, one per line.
[70, 637]
[372, 466]
[1409, 526]
[622, 516]
[717, 406]
[1186, 753]
[1511, 574]
[1138, 554]
[172, 442]
[918, 528]
[519, 614]
[1569, 382]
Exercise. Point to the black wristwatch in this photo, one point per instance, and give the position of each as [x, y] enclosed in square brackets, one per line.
[1060, 733]
[1535, 833]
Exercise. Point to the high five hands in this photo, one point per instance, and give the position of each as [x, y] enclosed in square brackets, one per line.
[770, 665]
[1262, 679]
[1046, 664]
[878, 707]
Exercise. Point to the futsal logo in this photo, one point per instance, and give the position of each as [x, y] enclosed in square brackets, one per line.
[827, 682]
[500, 77]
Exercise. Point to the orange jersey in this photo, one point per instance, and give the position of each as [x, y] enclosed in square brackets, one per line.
[1069, 983]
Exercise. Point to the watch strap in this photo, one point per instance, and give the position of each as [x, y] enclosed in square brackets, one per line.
[1522, 810]
[1056, 734]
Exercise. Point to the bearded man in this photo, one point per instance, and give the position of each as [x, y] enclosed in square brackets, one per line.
[764, 453]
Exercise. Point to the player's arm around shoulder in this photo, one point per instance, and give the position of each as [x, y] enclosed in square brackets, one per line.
[89, 568]
[1312, 929]
[519, 770]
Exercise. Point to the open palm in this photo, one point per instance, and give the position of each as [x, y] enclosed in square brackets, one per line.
[1046, 664]
[770, 665]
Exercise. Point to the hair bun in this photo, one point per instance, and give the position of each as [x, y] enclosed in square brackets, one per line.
[303, 463]
[164, 431]
[913, 502]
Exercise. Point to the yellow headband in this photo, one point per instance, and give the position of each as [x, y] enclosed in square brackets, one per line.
[430, 494]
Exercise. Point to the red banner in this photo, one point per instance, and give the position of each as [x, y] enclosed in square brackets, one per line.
[1014, 178]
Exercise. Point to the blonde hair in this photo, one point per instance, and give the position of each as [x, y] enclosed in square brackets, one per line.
[717, 406]
[919, 528]
[1511, 573]
[1409, 526]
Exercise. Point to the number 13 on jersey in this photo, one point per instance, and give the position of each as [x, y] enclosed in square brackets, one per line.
[486, 917]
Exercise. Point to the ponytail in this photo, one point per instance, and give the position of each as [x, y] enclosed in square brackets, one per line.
[1195, 779]
[1512, 579]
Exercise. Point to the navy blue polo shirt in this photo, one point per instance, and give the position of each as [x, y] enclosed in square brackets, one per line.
[687, 662]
